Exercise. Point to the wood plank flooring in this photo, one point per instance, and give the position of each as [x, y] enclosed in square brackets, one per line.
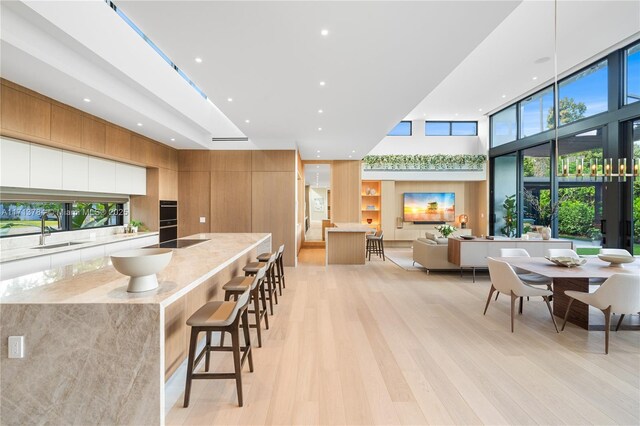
[376, 344]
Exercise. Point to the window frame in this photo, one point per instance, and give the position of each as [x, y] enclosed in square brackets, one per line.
[66, 219]
[625, 73]
[401, 136]
[451, 123]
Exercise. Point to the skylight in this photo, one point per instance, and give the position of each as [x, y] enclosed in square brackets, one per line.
[129, 22]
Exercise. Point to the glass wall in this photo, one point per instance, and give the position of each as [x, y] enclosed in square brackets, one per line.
[536, 178]
[504, 126]
[584, 94]
[536, 113]
[580, 200]
[505, 188]
[635, 140]
[632, 75]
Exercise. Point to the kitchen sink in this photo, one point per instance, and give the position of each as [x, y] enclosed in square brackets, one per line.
[52, 246]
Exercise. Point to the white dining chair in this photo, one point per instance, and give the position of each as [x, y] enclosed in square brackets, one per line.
[620, 293]
[505, 280]
[527, 277]
[615, 251]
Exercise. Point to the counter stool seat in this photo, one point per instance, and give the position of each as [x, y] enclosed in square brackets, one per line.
[238, 284]
[264, 257]
[253, 267]
[214, 314]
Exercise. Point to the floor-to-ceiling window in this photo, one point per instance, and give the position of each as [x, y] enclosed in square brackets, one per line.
[580, 206]
[635, 213]
[504, 199]
[536, 181]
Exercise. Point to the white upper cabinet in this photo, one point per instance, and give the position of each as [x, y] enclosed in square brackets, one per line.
[131, 179]
[14, 163]
[102, 175]
[75, 171]
[46, 167]
[25, 165]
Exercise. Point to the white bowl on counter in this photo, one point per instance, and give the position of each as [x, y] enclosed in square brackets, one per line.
[142, 265]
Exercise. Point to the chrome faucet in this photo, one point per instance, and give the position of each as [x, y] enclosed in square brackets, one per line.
[44, 232]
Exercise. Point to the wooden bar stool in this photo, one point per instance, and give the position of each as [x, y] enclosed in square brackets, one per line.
[253, 267]
[255, 285]
[279, 267]
[223, 317]
[375, 245]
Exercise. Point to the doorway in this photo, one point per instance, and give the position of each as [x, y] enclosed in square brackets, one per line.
[317, 201]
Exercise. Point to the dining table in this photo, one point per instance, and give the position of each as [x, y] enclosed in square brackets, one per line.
[575, 278]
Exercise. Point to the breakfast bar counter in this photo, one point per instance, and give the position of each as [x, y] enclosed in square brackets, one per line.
[346, 243]
[120, 346]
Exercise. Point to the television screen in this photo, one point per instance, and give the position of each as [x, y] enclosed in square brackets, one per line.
[431, 207]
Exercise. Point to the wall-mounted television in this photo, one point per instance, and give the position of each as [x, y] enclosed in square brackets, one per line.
[429, 207]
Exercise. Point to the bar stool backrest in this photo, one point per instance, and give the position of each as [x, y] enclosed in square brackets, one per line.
[259, 276]
[280, 250]
[272, 258]
[379, 234]
[242, 301]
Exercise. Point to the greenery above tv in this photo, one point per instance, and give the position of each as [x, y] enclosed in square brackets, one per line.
[425, 162]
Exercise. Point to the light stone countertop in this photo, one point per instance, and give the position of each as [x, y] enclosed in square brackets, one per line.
[96, 281]
[350, 227]
[28, 252]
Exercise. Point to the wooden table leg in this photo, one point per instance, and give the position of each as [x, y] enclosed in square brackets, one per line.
[579, 314]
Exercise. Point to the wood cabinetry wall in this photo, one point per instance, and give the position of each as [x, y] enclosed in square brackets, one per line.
[346, 179]
[239, 191]
[32, 117]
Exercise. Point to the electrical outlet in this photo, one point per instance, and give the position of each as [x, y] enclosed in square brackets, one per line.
[16, 346]
[203, 219]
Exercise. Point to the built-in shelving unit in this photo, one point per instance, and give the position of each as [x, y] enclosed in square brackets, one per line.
[371, 201]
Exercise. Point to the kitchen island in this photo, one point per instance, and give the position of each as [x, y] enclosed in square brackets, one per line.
[97, 354]
[346, 243]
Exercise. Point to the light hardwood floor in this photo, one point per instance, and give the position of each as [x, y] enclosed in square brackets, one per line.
[376, 344]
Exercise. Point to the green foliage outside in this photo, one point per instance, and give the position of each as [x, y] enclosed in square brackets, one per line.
[570, 111]
[510, 217]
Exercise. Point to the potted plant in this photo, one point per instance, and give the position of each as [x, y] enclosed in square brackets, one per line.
[134, 225]
[545, 210]
[446, 230]
[510, 217]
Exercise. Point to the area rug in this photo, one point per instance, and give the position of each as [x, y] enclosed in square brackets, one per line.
[404, 259]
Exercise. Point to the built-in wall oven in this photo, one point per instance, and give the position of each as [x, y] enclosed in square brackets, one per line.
[168, 220]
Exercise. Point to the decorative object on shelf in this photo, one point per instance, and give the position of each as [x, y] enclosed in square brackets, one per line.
[372, 192]
[142, 265]
[446, 230]
[567, 261]
[469, 162]
[616, 260]
[463, 219]
[545, 232]
[370, 207]
[467, 237]
[369, 221]
[399, 222]
[368, 191]
[133, 226]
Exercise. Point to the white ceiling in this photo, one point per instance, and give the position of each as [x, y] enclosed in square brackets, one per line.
[317, 175]
[379, 60]
[505, 63]
[382, 61]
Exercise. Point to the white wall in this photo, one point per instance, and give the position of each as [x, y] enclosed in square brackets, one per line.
[320, 193]
[418, 143]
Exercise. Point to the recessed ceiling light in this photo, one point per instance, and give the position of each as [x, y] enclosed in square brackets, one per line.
[139, 124]
[457, 114]
[87, 100]
[317, 167]
[504, 96]
[318, 151]
[199, 60]
[542, 60]
[319, 129]
[247, 121]
[229, 99]
[350, 156]
[480, 109]
[320, 111]
[324, 32]
[535, 78]
[353, 150]
[322, 83]
[173, 139]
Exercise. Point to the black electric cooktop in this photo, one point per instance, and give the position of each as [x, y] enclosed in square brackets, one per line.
[177, 243]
